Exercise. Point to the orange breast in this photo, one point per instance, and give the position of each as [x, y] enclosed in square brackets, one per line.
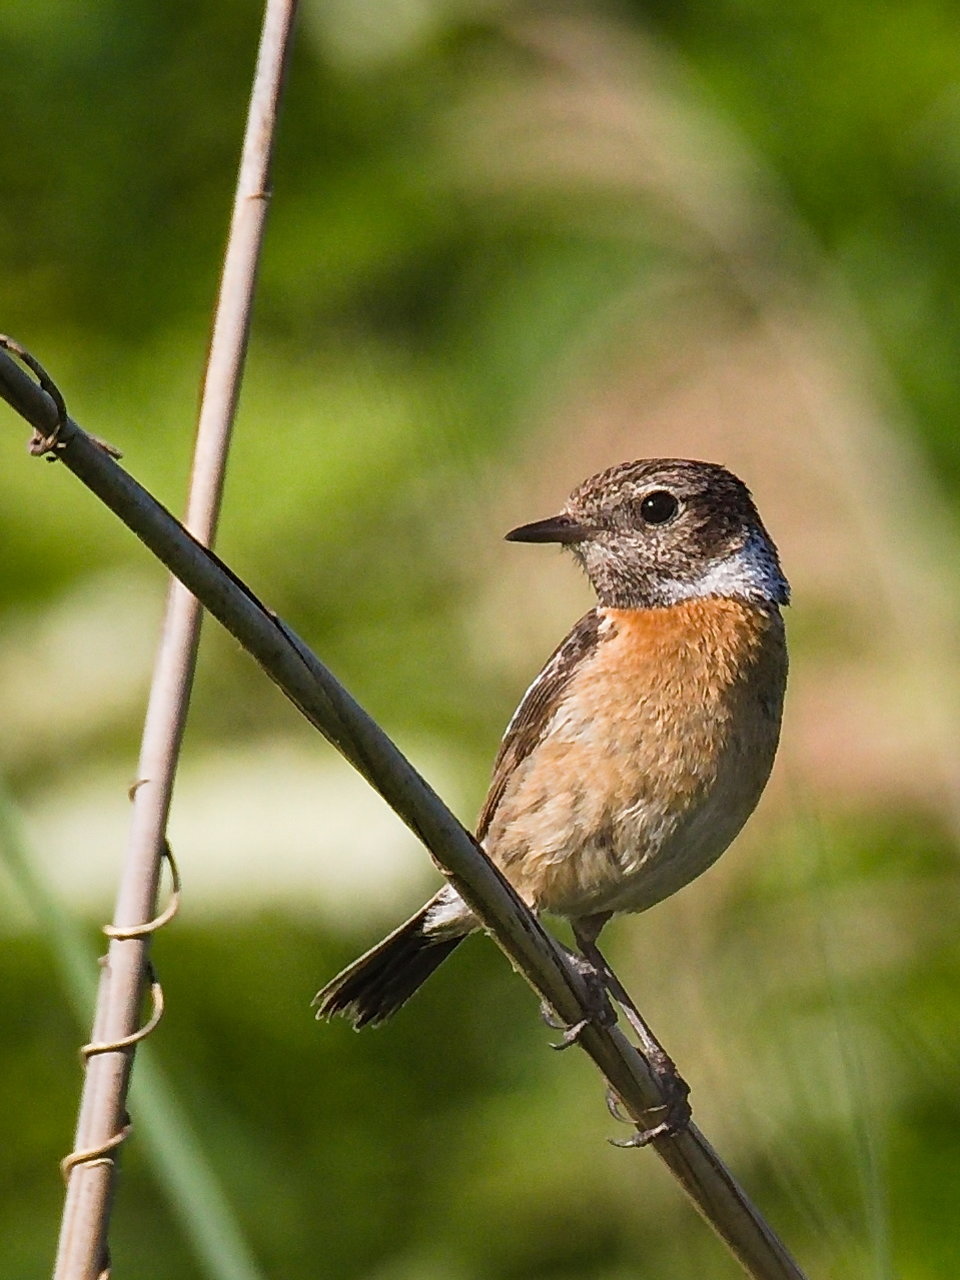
[652, 761]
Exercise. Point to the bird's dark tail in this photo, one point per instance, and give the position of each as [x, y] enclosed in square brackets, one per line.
[374, 987]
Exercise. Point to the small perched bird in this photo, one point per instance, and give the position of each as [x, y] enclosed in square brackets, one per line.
[644, 744]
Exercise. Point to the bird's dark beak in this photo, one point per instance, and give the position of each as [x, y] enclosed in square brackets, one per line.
[555, 529]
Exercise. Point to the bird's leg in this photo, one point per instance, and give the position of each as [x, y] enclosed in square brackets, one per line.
[586, 931]
[674, 1088]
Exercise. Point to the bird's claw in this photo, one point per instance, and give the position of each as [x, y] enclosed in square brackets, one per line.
[665, 1129]
[571, 1034]
[615, 1106]
[602, 1016]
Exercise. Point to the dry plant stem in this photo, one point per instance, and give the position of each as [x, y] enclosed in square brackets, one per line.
[82, 1251]
[328, 706]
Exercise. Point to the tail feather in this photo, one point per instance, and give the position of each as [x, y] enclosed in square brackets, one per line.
[374, 987]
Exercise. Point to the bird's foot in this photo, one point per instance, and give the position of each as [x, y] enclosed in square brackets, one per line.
[599, 1011]
[674, 1111]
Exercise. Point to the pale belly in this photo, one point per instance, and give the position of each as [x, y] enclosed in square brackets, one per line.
[572, 856]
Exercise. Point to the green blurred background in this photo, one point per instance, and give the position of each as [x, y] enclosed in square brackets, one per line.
[510, 244]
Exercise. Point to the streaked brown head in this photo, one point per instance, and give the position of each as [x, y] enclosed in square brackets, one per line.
[652, 533]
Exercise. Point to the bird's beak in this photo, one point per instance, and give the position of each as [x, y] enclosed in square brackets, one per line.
[555, 529]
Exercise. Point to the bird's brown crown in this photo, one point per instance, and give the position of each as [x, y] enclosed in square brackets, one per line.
[653, 533]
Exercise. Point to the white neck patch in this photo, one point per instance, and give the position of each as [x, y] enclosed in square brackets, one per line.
[752, 573]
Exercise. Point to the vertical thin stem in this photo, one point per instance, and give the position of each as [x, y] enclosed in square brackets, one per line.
[82, 1253]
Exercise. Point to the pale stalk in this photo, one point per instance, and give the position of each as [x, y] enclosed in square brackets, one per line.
[83, 1253]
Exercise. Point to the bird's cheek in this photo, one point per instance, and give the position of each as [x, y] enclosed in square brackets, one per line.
[601, 553]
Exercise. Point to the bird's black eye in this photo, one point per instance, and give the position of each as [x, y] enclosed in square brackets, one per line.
[659, 507]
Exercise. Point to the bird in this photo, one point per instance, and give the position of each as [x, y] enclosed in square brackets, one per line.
[643, 746]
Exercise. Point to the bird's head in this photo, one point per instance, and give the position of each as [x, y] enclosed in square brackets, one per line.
[654, 533]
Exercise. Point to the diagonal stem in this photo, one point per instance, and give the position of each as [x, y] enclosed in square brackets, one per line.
[327, 705]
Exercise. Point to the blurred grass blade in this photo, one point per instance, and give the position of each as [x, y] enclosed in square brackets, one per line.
[177, 1159]
[866, 1141]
